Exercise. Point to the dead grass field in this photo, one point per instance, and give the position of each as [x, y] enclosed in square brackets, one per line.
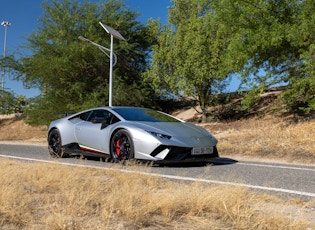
[49, 196]
[13, 128]
[269, 138]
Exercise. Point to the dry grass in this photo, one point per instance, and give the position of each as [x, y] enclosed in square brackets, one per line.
[49, 196]
[13, 128]
[269, 138]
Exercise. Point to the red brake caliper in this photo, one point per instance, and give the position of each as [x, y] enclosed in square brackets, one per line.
[117, 145]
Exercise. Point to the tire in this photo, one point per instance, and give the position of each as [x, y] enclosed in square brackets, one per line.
[215, 152]
[122, 147]
[54, 144]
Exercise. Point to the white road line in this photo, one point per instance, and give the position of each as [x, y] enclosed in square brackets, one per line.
[276, 166]
[309, 194]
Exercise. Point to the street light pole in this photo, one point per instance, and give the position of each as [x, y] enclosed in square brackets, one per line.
[111, 55]
[6, 24]
[113, 33]
[111, 71]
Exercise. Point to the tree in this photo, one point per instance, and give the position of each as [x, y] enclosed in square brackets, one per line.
[191, 57]
[300, 95]
[73, 75]
[276, 38]
[11, 103]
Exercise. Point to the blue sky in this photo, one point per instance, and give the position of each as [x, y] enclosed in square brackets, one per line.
[23, 15]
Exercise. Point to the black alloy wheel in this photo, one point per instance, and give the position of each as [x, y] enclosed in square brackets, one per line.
[122, 147]
[54, 144]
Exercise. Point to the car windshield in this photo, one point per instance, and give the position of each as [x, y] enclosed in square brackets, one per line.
[142, 114]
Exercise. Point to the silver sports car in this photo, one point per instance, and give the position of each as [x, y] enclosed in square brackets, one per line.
[123, 133]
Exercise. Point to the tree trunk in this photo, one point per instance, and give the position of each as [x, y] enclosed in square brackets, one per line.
[203, 101]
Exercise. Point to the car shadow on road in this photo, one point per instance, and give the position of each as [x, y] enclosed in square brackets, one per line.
[211, 162]
[219, 161]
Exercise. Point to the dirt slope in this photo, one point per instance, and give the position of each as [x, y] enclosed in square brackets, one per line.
[13, 128]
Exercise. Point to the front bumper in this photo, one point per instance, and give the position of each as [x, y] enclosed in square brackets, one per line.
[181, 154]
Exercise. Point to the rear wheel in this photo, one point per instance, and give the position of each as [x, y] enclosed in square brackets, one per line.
[122, 147]
[54, 144]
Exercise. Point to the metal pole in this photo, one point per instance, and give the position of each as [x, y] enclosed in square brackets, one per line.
[111, 70]
[5, 24]
[113, 60]
[113, 33]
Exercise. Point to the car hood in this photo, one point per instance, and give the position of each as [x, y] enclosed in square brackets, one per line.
[185, 133]
[178, 129]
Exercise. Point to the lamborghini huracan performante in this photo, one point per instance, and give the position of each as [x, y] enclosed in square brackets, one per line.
[125, 133]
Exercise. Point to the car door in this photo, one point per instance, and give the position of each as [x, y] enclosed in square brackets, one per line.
[90, 135]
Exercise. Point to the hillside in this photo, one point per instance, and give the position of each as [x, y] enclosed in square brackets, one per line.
[13, 128]
[260, 133]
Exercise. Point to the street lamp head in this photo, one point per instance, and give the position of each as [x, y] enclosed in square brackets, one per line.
[5, 23]
[112, 32]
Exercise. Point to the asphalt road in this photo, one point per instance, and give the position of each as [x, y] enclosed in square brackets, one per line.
[281, 178]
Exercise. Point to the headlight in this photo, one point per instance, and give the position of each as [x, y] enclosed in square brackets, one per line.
[160, 135]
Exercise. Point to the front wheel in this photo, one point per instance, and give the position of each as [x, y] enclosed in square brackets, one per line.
[122, 147]
[54, 144]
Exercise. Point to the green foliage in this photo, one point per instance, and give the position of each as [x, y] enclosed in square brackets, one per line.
[276, 39]
[74, 75]
[133, 92]
[300, 96]
[191, 54]
[267, 43]
[205, 42]
[250, 98]
[10, 103]
[40, 111]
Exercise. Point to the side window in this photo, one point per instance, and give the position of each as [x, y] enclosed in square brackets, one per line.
[98, 116]
[111, 118]
[83, 116]
[114, 119]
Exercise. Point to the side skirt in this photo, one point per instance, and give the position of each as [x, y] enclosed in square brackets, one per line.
[75, 150]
